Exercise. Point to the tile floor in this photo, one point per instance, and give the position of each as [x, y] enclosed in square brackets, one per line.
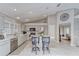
[61, 49]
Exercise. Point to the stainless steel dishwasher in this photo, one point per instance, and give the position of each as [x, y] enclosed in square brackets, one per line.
[14, 44]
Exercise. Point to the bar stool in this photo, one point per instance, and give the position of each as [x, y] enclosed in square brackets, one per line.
[35, 44]
[45, 43]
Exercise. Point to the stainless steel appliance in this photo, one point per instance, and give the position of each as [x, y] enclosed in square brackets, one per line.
[14, 44]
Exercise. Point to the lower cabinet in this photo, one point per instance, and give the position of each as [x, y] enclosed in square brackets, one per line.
[8, 46]
[4, 48]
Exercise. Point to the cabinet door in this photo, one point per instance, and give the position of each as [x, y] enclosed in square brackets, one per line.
[6, 27]
[1, 26]
[4, 48]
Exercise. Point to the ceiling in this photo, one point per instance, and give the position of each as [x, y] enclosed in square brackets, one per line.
[26, 12]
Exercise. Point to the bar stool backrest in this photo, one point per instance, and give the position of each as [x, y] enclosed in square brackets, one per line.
[35, 40]
[46, 40]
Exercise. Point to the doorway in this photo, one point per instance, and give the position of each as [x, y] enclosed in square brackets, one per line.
[65, 33]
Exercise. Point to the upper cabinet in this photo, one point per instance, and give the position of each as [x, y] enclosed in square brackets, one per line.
[8, 25]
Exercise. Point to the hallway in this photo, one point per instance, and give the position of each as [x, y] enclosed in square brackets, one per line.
[59, 50]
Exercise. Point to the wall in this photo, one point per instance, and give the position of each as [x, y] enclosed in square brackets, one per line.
[52, 22]
[76, 26]
[52, 25]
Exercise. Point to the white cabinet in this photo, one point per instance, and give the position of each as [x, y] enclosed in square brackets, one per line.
[4, 27]
[4, 48]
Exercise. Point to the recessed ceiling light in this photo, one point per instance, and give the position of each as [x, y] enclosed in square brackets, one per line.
[14, 9]
[17, 17]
